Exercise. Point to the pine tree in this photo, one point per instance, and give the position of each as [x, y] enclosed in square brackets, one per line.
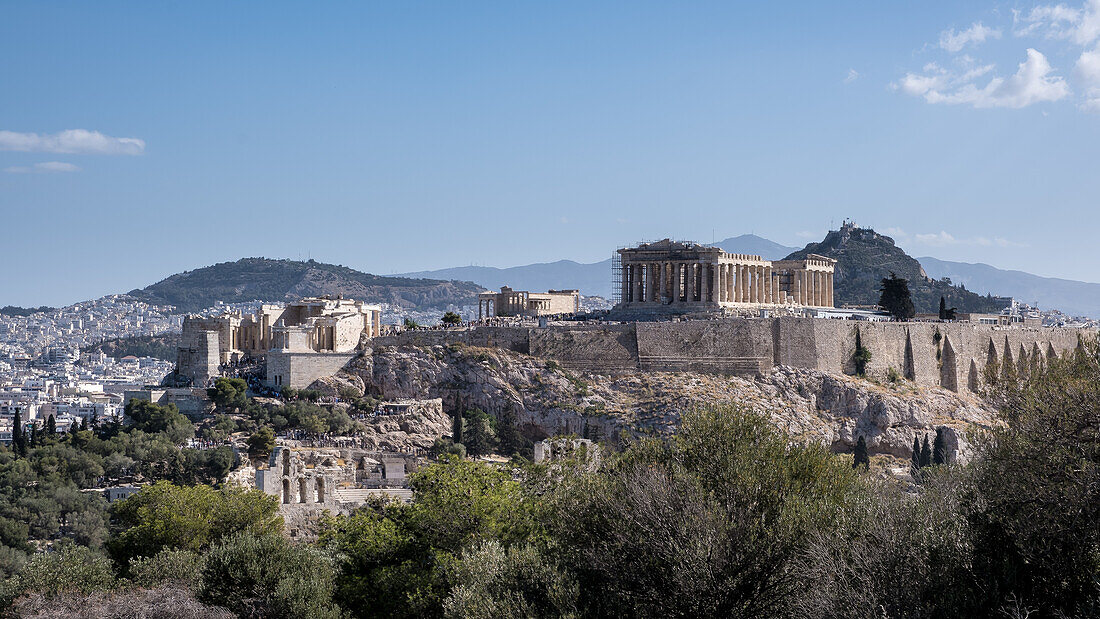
[860, 457]
[83, 423]
[18, 437]
[926, 453]
[916, 453]
[939, 448]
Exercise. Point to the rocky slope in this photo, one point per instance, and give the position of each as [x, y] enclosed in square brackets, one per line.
[547, 400]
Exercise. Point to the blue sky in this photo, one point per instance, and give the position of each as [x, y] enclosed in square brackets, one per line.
[142, 139]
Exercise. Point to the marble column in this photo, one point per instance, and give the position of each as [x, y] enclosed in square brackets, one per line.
[816, 288]
[704, 282]
[635, 283]
[728, 270]
[689, 277]
[759, 277]
[720, 277]
[743, 279]
[676, 282]
[769, 285]
[716, 283]
[832, 302]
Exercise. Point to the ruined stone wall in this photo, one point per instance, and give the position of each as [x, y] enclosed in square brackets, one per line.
[299, 369]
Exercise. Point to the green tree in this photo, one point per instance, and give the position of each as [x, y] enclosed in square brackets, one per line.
[51, 428]
[718, 514]
[925, 453]
[451, 319]
[860, 356]
[169, 566]
[261, 443]
[457, 424]
[478, 435]
[859, 456]
[71, 568]
[151, 417]
[166, 516]
[939, 447]
[494, 581]
[1036, 520]
[916, 454]
[943, 308]
[411, 324]
[264, 576]
[895, 297]
[399, 559]
[18, 438]
[229, 393]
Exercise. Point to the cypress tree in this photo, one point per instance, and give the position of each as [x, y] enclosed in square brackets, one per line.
[83, 423]
[916, 453]
[34, 434]
[18, 438]
[925, 453]
[456, 428]
[51, 427]
[943, 308]
[860, 457]
[939, 448]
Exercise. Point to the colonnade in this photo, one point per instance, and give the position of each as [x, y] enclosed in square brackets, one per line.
[707, 282]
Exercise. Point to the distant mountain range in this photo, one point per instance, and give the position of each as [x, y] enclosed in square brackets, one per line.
[593, 278]
[270, 280]
[1073, 297]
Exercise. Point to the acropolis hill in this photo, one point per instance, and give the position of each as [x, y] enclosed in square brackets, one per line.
[692, 314]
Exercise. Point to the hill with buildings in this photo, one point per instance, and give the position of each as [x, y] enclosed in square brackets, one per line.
[266, 279]
[592, 278]
[865, 257]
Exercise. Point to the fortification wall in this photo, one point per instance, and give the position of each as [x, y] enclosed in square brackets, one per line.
[603, 348]
[722, 346]
[299, 369]
[951, 355]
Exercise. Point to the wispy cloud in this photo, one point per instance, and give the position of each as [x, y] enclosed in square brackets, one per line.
[852, 76]
[975, 35]
[44, 167]
[1032, 83]
[71, 141]
[946, 239]
[1058, 21]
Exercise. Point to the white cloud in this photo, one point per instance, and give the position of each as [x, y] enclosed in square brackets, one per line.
[71, 141]
[1058, 21]
[944, 239]
[1032, 83]
[852, 76]
[975, 35]
[46, 166]
[1087, 71]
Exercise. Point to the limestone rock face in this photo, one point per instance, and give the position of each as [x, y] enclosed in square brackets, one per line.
[546, 400]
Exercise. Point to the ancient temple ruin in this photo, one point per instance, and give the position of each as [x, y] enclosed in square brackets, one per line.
[681, 277]
[313, 334]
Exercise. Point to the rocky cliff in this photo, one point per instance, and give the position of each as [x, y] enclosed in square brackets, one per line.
[548, 400]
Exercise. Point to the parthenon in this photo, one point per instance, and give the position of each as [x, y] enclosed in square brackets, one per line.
[679, 276]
